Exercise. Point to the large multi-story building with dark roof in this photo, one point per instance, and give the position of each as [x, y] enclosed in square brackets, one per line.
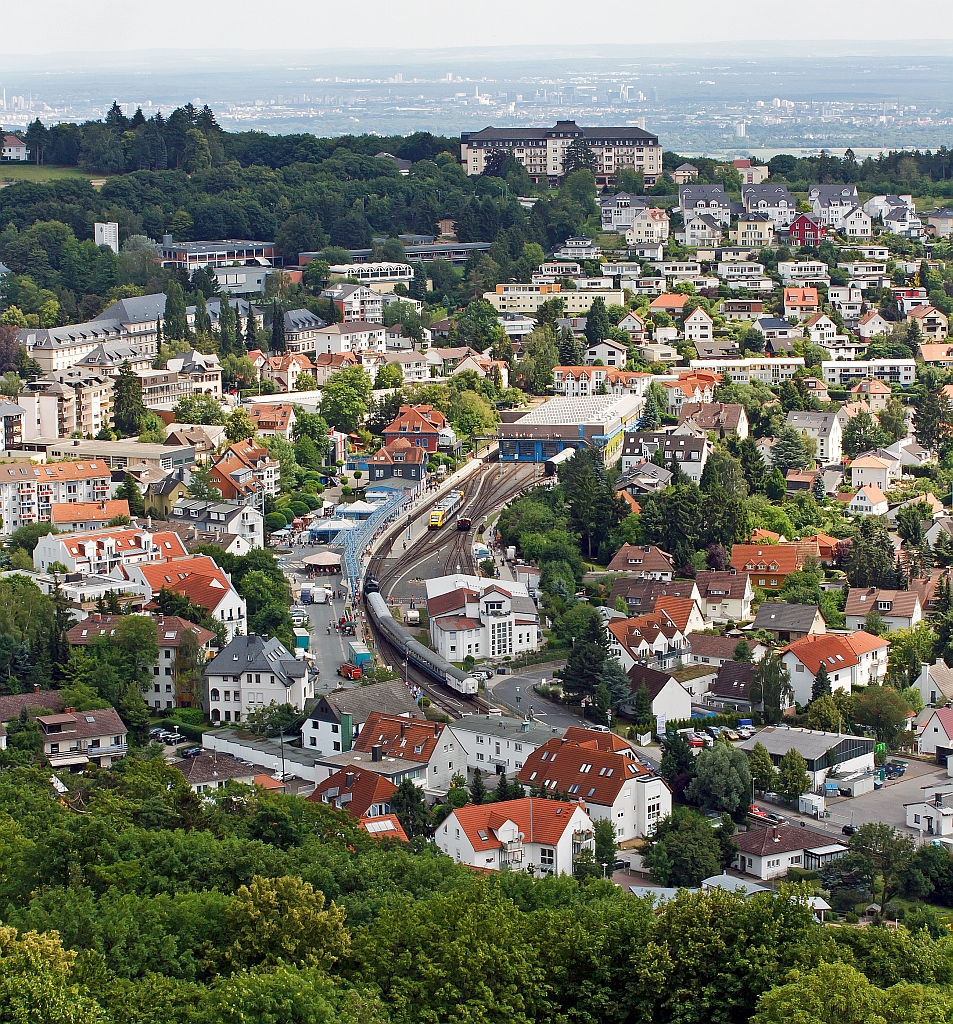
[542, 150]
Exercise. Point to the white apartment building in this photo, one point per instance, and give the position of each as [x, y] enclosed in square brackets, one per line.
[544, 836]
[496, 745]
[866, 274]
[28, 492]
[356, 302]
[892, 371]
[613, 784]
[648, 226]
[617, 211]
[357, 336]
[824, 428]
[805, 272]
[743, 371]
[222, 517]
[470, 615]
[98, 552]
[709, 200]
[527, 298]
[542, 150]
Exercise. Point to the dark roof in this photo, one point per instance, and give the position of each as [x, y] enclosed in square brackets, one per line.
[491, 134]
[711, 646]
[722, 584]
[779, 615]
[12, 705]
[205, 768]
[391, 698]
[733, 680]
[761, 842]
[643, 677]
[640, 558]
[644, 593]
[256, 654]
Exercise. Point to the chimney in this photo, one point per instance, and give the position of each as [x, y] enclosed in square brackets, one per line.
[436, 729]
[377, 752]
[403, 730]
[348, 780]
[774, 834]
[36, 687]
[938, 799]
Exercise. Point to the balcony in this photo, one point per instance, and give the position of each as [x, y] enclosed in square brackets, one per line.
[77, 755]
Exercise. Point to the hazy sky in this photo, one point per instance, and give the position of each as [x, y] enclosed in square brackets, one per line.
[109, 25]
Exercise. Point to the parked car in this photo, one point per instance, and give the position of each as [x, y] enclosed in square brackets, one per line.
[731, 734]
[696, 741]
[192, 751]
[756, 812]
[778, 819]
[849, 830]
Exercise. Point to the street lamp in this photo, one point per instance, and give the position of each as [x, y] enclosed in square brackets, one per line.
[605, 870]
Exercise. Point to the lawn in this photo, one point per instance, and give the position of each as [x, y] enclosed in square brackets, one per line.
[31, 172]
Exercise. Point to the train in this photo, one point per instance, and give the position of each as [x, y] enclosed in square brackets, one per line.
[426, 660]
[445, 508]
[465, 519]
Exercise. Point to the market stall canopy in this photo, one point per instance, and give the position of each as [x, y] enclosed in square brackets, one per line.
[322, 558]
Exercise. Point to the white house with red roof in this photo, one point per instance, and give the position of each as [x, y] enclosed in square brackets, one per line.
[869, 501]
[470, 615]
[430, 745]
[937, 731]
[200, 580]
[852, 659]
[74, 516]
[545, 836]
[97, 552]
[614, 785]
[643, 561]
[653, 639]
[358, 791]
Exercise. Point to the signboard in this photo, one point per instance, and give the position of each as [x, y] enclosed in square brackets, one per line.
[660, 725]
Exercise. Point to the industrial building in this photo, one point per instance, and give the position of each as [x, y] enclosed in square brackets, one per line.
[594, 420]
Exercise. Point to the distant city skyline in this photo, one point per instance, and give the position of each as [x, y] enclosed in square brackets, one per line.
[64, 26]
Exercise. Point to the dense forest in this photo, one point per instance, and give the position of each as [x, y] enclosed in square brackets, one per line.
[134, 901]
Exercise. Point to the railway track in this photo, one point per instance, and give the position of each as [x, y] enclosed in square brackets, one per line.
[492, 490]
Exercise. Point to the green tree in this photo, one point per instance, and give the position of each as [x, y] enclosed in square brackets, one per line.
[762, 769]
[791, 450]
[823, 713]
[863, 434]
[202, 483]
[175, 325]
[239, 426]
[346, 398]
[284, 920]
[408, 803]
[199, 408]
[129, 490]
[197, 155]
[605, 842]
[883, 709]
[822, 683]
[389, 375]
[893, 419]
[722, 780]
[128, 408]
[771, 687]
[579, 156]
[478, 794]
[909, 649]
[278, 343]
[793, 779]
[684, 850]
[742, 652]
[932, 413]
[678, 759]
[888, 851]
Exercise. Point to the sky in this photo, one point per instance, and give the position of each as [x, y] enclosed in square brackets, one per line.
[101, 27]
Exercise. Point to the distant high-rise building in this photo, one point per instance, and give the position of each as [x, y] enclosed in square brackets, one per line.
[740, 130]
[107, 234]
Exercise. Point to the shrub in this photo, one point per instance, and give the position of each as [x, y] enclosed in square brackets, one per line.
[275, 521]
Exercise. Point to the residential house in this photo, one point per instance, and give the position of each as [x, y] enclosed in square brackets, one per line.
[939, 355]
[937, 732]
[84, 516]
[787, 622]
[208, 772]
[745, 274]
[770, 851]
[325, 364]
[730, 690]
[497, 745]
[800, 303]
[649, 226]
[202, 369]
[422, 425]
[768, 566]
[831, 204]
[774, 328]
[643, 561]
[199, 579]
[899, 609]
[684, 173]
[618, 211]
[170, 688]
[805, 230]
[821, 330]
[742, 309]
[646, 639]
[804, 272]
[934, 325]
[856, 223]
[773, 200]
[932, 814]
[640, 595]
[614, 785]
[875, 470]
[273, 419]
[669, 302]
[356, 302]
[542, 836]
[482, 618]
[720, 417]
[708, 649]
[823, 751]
[698, 326]
[249, 674]
[97, 552]
[700, 230]
[397, 464]
[14, 148]
[725, 596]
[669, 698]
[633, 325]
[704, 199]
[868, 501]
[219, 517]
[848, 300]
[284, 370]
[751, 174]
[689, 453]
[358, 336]
[337, 719]
[431, 746]
[73, 739]
[857, 659]
[873, 324]
[360, 792]
[824, 428]
[244, 469]
[876, 394]
[609, 352]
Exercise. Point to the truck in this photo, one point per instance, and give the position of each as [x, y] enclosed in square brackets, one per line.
[319, 595]
[349, 671]
[412, 617]
[358, 654]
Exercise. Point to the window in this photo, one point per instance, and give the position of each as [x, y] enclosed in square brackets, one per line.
[213, 695]
[547, 856]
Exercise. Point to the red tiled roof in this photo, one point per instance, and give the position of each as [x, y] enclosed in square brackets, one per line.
[776, 558]
[539, 820]
[761, 842]
[835, 651]
[599, 740]
[383, 826]
[366, 789]
[88, 511]
[407, 738]
[595, 776]
[640, 558]
[678, 609]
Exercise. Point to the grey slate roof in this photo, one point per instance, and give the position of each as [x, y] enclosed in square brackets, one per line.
[389, 698]
[256, 654]
[139, 309]
[302, 320]
[779, 615]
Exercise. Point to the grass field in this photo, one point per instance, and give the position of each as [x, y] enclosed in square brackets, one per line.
[30, 172]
